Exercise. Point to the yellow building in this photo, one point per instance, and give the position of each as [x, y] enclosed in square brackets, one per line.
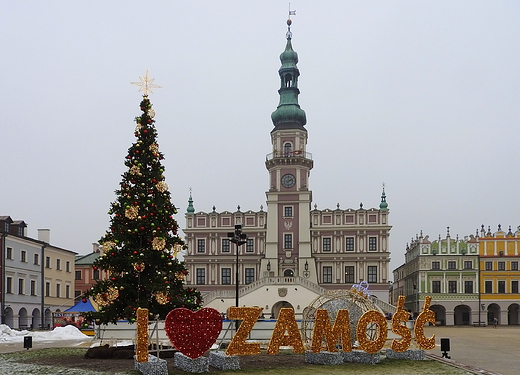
[499, 275]
[58, 278]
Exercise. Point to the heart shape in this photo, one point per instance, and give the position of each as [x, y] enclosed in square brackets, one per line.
[193, 332]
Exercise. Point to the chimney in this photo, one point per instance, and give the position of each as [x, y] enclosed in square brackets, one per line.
[44, 235]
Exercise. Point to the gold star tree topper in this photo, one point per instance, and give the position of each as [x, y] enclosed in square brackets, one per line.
[146, 84]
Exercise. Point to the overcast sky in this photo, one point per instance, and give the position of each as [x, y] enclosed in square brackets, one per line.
[421, 95]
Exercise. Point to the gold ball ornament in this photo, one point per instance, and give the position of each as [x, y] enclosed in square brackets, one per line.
[161, 298]
[132, 213]
[161, 186]
[108, 245]
[135, 170]
[158, 243]
[139, 267]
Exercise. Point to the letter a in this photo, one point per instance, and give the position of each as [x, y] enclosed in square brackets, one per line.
[286, 322]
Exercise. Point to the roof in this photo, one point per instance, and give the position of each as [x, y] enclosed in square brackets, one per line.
[86, 260]
[82, 306]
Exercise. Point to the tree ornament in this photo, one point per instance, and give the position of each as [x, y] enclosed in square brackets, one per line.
[158, 243]
[132, 212]
[139, 267]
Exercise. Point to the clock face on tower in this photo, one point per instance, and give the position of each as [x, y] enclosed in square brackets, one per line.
[288, 180]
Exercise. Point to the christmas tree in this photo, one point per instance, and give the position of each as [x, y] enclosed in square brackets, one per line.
[140, 248]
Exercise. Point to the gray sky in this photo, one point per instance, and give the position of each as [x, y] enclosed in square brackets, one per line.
[421, 95]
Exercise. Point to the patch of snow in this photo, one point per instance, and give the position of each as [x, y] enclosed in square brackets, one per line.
[59, 333]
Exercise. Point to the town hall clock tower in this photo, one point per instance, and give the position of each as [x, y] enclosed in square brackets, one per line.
[288, 239]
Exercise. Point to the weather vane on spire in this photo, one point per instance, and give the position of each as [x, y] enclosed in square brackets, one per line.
[289, 22]
[146, 84]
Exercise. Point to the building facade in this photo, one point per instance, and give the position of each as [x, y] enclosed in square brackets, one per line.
[499, 275]
[85, 276]
[293, 252]
[445, 269]
[471, 281]
[37, 277]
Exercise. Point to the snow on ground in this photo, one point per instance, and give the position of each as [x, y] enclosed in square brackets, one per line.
[59, 333]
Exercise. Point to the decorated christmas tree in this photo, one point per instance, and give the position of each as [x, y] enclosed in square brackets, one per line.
[141, 246]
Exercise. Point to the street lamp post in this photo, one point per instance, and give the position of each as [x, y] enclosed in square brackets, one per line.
[238, 238]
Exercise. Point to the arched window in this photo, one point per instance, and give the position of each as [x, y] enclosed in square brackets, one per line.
[288, 273]
[287, 148]
[288, 80]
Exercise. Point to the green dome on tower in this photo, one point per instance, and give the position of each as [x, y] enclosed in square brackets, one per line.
[288, 114]
[383, 205]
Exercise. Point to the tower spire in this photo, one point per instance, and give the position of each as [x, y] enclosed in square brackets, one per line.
[383, 205]
[288, 114]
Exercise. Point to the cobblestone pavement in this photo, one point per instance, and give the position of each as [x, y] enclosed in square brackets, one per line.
[494, 350]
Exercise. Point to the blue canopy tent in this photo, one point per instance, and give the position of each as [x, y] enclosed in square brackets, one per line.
[83, 305]
[72, 316]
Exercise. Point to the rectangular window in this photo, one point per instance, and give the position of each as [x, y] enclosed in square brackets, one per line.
[9, 285]
[327, 274]
[37, 259]
[501, 266]
[23, 256]
[501, 286]
[9, 253]
[452, 286]
[250, 275]
[372, 274]
[452, 265]
[349, 275]
[58, 290]
[327, 244]
[201, 276]
[21, 286]
[436, 286]
[77, 294]
[47, 289]
[349, 244]
[67, 266]
[77, 275]
[514, 266]
[468, 264]
[287, 241]
[33, 287]
[226, 276]
[225, 245]
[58, 264]
[489, 266]
[488, 285]
[287, 211]
[514, 286]
[468, 286]
[201, 246]
[67, 291]
[47, 262]
[95, 275]
[436, 265]
[372, 243]
[250, 245]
